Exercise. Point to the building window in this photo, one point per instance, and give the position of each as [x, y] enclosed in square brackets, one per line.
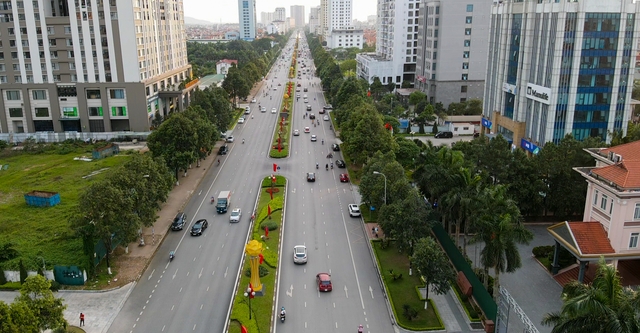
[469, 8]
[467, 42]
[636, 212]
[39, 94]
[595, 197]
[465, 77]
[118, 111]
[463, 89]
[15, 112]
[468, 20]
[93, 94]
[465, 54]
[116, 93]
[42, 112]
[465, 65]
[603, 202]
[70, 112]
[467, 31]
[611, 207]
[13, 95]
[633, 240]
[95, 111]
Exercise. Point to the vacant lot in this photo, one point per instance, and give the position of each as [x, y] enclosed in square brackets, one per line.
[38, 232]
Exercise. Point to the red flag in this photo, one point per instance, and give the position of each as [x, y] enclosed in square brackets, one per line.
[266, 232]
[275, 167]
[368, 93]
[243, 329]
[271, 194]
[261, 258]
[269, 209]
[273, 178]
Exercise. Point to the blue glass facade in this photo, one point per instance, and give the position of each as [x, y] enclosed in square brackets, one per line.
[512, 67]
[618, 122]
[568, 49]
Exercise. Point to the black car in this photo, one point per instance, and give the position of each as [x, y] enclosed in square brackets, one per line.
[179, 221]
[311, 177]
[341, 164]
[312, 116]
[444, 134]
[223, 150]
[199, 227]
[335, 147]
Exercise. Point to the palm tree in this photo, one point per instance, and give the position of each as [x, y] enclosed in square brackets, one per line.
[499, 226]
[603, 306]
[460, 200]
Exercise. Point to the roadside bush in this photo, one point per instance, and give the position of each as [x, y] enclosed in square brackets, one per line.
[262, 271]
[3, 145]
[55, 286]
[3, 279]
[272, 225]
[542, 251]
[11, 286]
[409, 312]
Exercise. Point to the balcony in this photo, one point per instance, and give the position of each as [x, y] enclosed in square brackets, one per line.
[176, 90]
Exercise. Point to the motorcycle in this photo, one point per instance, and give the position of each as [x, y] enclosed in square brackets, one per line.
[282, 315]
[327, 167]
[213, 199]
[317, 166]
[242, 141]
[171, 256]
[331, 165]
[360, 329]
[330, 155]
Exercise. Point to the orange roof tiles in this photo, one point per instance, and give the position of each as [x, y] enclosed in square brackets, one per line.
[591, 237]
[625, 174]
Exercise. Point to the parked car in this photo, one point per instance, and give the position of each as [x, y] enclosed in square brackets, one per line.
[253, 100]
[443, 135]
[223, 150]
[199, 227]
[299, 254]
[354, 210]
[241, 120]
[324, 282]
[235, 215]
[179, 221]
[230, 139]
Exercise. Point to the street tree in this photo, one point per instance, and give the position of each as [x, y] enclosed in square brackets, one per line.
[377, 89]
[176, 141]
[20, 319]
[37, 296]
[433, 265]
[348, 66]
[424, 117]
[408, 152]
[236, 85]
[459, 203]
[104, 212]
[601, 306]
[372, 185]
[417, 97]
[500, 228]
[474, 107]
[215, 102]
[349, 89]
[368, 136]
[406, 220]
[343, 113]
[205, 130]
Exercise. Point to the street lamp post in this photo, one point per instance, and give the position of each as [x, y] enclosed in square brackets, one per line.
[249, 293]
[385, 185]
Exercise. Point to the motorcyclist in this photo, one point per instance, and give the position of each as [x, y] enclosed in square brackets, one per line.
[327, 167]
[283, 313]
[331, 165]
[172, 254]
[322, 141]
[317, 166]
[360, 328]
[242, 140]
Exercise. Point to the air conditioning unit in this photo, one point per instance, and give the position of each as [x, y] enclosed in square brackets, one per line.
[617, 158]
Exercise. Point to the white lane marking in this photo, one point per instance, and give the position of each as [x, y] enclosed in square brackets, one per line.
[174, 274]
[200, 275]
[371, 291]
[151, 275]
[225, 271]
[346, 292]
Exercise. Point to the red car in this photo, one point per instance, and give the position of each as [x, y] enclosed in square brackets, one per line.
[324, 282]
[344, 177]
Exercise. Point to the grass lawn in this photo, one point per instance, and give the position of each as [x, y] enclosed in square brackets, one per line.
[43, 232]
[261, 306]
[403, 291]
[287, 104]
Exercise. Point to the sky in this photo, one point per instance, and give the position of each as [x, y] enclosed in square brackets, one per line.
[226, 11]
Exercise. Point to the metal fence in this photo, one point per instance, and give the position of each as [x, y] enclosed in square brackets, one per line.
[16, 138]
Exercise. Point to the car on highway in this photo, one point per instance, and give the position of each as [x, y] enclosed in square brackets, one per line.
[253, 100]
[354, 210]
[335, 147]
[324, 281]
[314, 138]
[328, 107]
[241, 120]
[273, 110]
[311, 177]
[224, 149]
[305, 89]
[312, 116]
[341, 164]
[263, 109]
[230, 138]
[307, 130]
[296, 132]
[299, 254]
[344, 177]
[308, 107]
[179, 221]
[325, 118]
[299, 85]
[321, 111]
[199, 227]
[235, 215]
[275, 88]
[279, 84]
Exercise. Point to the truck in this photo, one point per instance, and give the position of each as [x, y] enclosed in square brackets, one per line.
[224, 200]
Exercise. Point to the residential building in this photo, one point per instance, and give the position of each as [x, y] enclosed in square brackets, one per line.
[247, 19]
[324, 18]
[558, 68]
[95, 67]
[611, 213]
[222, 66]
[335, 15]
[314, 20]
[280, 14]
[231, 35]
[271, 29]
[453, 39]
[346, 38]
[396, 44]
[266, 17]
[297, 13]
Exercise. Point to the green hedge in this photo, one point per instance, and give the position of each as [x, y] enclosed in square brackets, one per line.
[280, 182]
[11, 286]
[472, 314]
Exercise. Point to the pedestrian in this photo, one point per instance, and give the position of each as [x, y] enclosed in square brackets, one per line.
[81, 319]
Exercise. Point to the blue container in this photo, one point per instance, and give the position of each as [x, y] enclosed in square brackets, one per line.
[42, 198]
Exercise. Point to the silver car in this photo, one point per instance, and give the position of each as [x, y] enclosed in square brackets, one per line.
[235, 215]
[299, 254]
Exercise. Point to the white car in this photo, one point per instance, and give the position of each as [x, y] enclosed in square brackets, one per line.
[275, 88]
[263, 109]
[253, 100]
[314, 138]
[230, 138]
[354, 210]
[235, 215]
[296, 132]
[307, 130]
[299, 254]
[241, 120]
[273, 110]
[325, 118]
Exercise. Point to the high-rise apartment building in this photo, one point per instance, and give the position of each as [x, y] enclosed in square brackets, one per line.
[96, 66]
[247, 19]
[297, 13]
[266, 17]
[280, 14]
[324, 17]
[453, 38]
[340, 14]
[558, 68]
[396, 44]
[314, 20]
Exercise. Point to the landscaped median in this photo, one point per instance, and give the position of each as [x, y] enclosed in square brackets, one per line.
[402, 289]
[269, 215]
[282, 134]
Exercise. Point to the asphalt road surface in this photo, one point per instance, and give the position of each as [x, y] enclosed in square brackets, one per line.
[193, 292]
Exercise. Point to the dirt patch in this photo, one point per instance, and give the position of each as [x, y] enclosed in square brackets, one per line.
[128, 268]
[33, 166]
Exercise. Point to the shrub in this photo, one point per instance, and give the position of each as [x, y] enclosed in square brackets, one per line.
[23, 272]
[280, 181]
[409, 312]
[262, 271]
[55, 286]
[3, 279]
[542, 251]
[269, 224]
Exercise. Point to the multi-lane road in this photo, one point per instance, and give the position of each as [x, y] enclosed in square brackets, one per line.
[193, 292]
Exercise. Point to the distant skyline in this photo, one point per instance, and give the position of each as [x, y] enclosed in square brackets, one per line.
[214, 12]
